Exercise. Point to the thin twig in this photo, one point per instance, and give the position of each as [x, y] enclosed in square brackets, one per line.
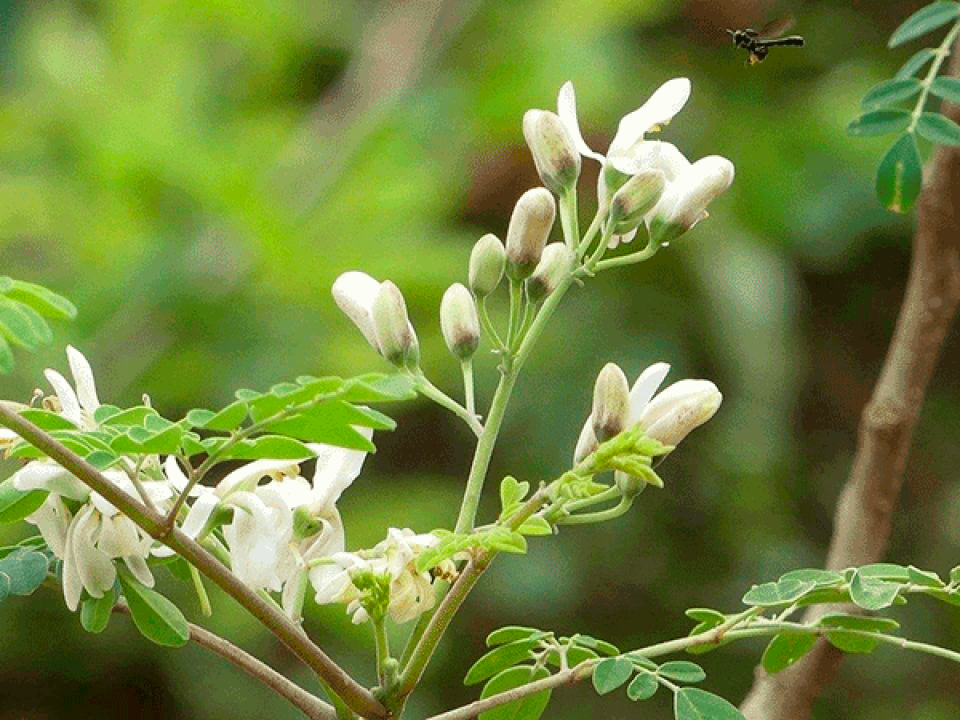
[310, 705]
[865, 508]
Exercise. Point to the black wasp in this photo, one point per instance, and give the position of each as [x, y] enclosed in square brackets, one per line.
[758, 44]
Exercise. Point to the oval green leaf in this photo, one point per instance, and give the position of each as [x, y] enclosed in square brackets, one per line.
[858, 622]
[946, 87]
[890, 92]
[923, 21]
[924, 578]
[871, 593]
[500, 658]
[777, 593]
[697, 704]
[611, 673]
[512, 633]
[157, 619]
[879, 122]
[785, 649]
[95, 612]
[643, 686]
[814, 575]
[682, 671]
[15, 504]
[899, 176]
[530, 707]
[938, 129]
[39, 298]
[911, 66]
[851, 642]
[24, 570]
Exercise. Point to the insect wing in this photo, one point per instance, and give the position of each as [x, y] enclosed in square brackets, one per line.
[776, 28]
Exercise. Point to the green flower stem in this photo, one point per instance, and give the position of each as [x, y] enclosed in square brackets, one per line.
[941, 54]
[609, 494]
[201, 591]
[468, 393]
[648, 252]
[516, 309]
[498, 407]
[600, 516]
[357, 697]
[588, 237]
[568, 218]
[488, 328]
[431, 391]
[382, 645]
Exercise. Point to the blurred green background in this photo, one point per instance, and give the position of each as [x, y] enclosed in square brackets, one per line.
[194, 175]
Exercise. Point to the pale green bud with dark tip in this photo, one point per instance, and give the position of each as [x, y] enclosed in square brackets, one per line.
[609, 181]
[556, 262]
[528, 231]
[459, 321]
[555, 155]
[635, 199]
[487, 260]
[395, 334]
[611, 403]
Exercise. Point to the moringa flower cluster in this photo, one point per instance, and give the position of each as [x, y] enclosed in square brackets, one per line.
[642, 181]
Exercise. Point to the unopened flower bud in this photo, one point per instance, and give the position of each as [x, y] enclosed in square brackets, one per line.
[354, 293]
[395, 335]
[459, 321]
[527, 233]
[586, 443]
[685, 200]
[486, 265]
[555, 155]
[611, 402]
[682, 407]
[555, 263]
[635, 199]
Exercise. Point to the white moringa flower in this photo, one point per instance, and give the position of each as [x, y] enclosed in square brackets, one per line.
[626, 150]
[394, 560]
[669, 417]
[278, 527]
[77, 407]
[89, 540]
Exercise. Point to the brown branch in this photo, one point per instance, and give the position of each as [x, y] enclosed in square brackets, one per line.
[310, 705]
[357, 697]
[865, 508]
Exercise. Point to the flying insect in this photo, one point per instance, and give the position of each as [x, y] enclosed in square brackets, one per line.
[758, 44]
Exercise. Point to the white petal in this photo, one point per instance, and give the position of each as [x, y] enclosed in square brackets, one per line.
[83, 377]
[354, 293]
[47, 475]
[643, 389]
[587, 442]
[686, 199]
[336, 469]
[567, 111]
[658, 110]
[96, 570]
[118, 536]
[199, 514]
[174, 473]
[675, 395]
[245, 478]
[53, 521]
[68, 398]
[141, 571]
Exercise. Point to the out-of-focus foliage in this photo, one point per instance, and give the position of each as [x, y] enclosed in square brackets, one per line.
[194, 175]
